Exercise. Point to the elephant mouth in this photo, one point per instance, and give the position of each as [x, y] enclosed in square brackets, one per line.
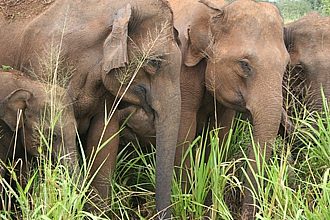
[143, 94]
[237, 104]
[123, 104]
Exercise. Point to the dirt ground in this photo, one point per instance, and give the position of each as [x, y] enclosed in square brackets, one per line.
[21, 9]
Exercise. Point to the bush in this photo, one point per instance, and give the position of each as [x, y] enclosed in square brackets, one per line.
[292, 10]
[326, 6]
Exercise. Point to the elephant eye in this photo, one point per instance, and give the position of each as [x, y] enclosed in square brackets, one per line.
[299, 65]
[153, 65]
[55, 137]
[246, 67]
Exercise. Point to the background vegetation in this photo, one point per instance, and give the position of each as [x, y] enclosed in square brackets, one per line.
[294, 9]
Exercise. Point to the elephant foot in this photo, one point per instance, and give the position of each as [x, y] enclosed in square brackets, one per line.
[287, 123]
[97, 206]
[99, 209]
[248, 212]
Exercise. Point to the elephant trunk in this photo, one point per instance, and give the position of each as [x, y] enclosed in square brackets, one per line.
[72, 158]
[265, 105]
[266, 120]
[166, 102]
[266, 112]
[69, 146]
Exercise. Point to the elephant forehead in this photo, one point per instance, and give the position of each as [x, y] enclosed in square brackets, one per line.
[56, 96]
[153, 30]
[50, 105]
[50, 115]
[251, 15]
[316, 36]
[229, 49]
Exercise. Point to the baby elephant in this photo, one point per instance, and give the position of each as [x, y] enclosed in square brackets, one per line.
[29, 108]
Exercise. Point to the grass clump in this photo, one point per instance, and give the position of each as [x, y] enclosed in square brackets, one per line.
[291, 187]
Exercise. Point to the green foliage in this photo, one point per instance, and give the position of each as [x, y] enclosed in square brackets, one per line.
[326, 6]
[5, 68]
[292, 9]
[292, 186]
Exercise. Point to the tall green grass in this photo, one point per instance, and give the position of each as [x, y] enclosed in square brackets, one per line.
[291, 188]
[293, 184]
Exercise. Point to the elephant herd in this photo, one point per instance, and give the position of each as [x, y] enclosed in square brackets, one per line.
[166, 68]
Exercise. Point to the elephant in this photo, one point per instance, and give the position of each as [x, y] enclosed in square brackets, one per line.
[20, 136]
[233, 59]
[308, 43]
[105, 41]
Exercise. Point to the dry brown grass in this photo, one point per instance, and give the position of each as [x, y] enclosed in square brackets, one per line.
[20, 9]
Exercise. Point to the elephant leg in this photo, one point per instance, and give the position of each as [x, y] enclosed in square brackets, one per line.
[22, 171]
[187, 133]
[3, 159]
[105, 159]
[222, 120]
[286, 123]
[23, 167]
[249, 207]
[225, 121]
[6, 152]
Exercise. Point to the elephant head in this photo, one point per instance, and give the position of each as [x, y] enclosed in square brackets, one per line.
[141, 56]
[308, 43]
[243, 44]
[41, 114]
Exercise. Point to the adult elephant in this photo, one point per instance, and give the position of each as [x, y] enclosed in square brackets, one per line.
[308, 43]
[108, 43]
[234, 58]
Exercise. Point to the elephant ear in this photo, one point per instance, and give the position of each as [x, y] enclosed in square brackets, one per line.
[288, 39]
[211, 5]
[292, 48]
[18, 99]
[176, 36]
[115, 46]
[217, 11]
[199, 35]
[194, 54]
[198, 43]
